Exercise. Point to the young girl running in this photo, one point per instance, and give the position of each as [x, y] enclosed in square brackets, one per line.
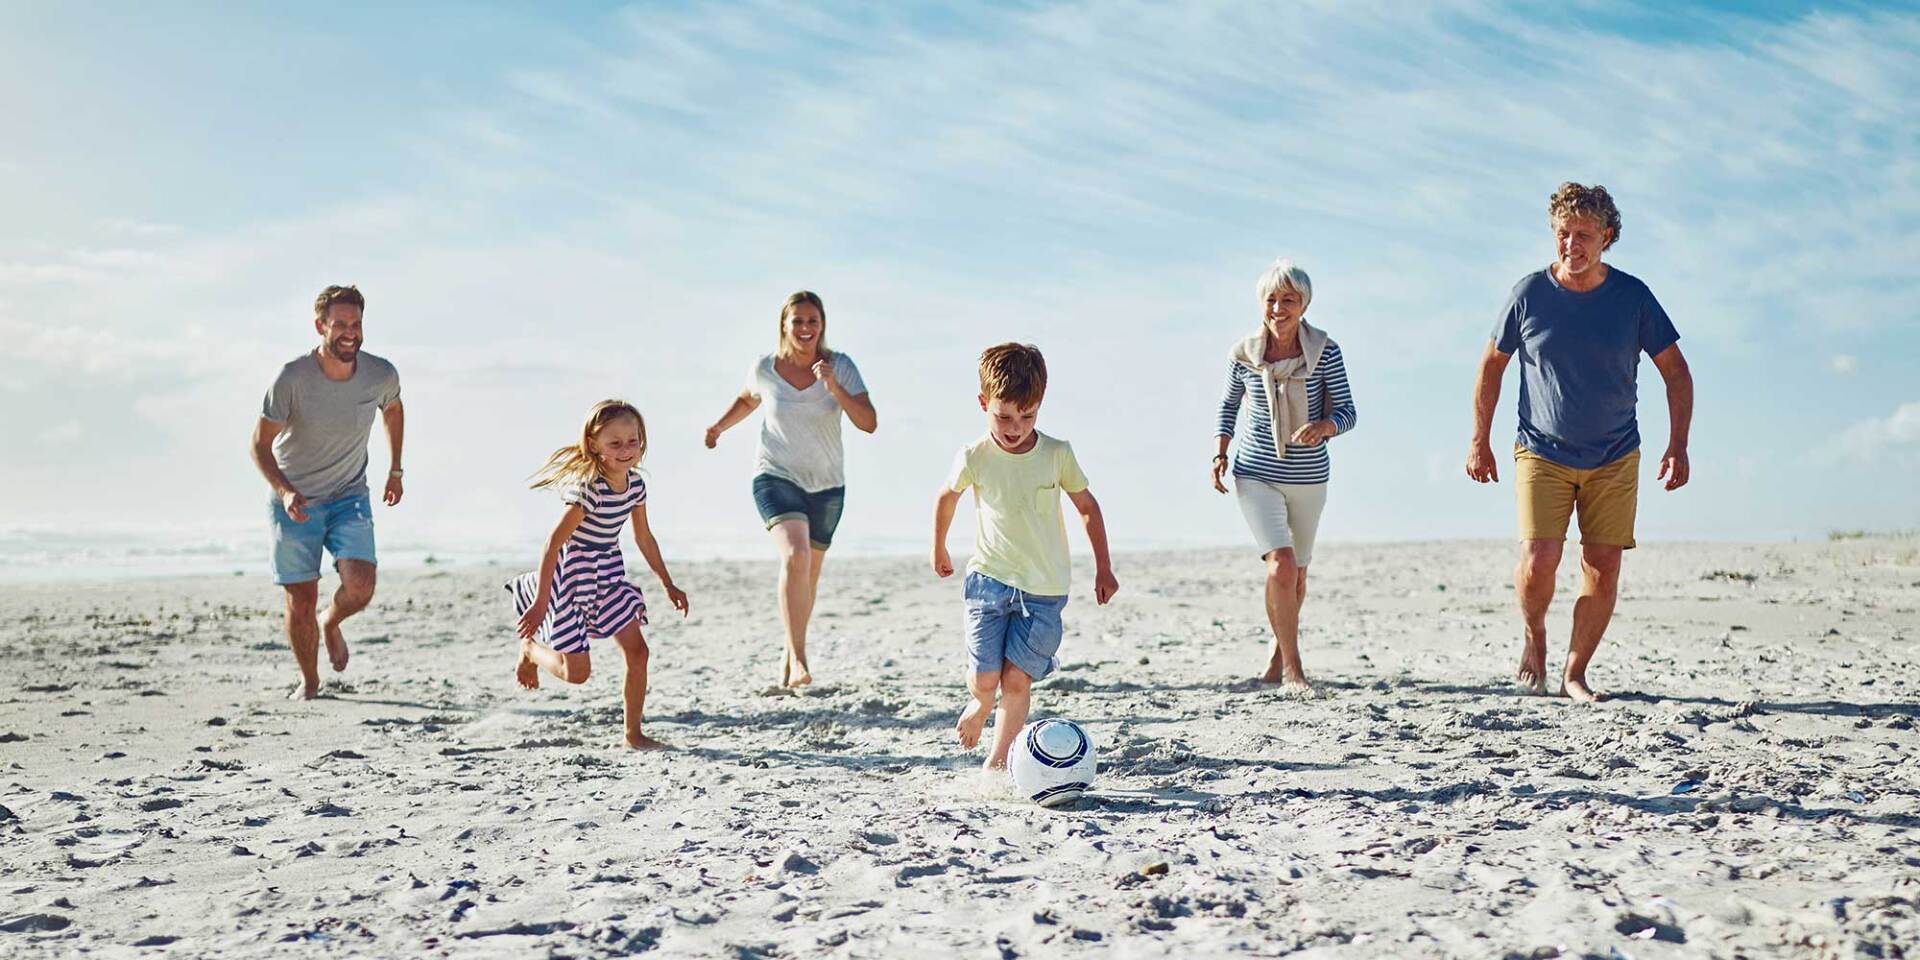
[581, 590]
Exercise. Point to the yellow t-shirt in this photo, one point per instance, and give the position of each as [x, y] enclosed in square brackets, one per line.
[1021, 537]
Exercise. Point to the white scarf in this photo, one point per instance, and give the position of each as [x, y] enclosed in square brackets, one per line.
[1285, 381]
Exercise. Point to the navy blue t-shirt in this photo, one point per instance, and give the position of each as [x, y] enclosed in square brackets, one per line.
[1579, 363]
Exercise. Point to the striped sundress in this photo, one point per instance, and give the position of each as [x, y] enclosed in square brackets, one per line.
[592, 596]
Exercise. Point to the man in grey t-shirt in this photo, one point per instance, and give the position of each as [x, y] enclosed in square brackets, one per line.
[311, 445]
[1579, 328]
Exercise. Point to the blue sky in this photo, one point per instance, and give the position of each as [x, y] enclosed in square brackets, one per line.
[548, 208]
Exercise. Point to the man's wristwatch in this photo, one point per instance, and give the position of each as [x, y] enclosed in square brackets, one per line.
[395, 473]
[1220, 456]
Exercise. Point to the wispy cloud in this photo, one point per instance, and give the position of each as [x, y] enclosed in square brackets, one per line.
[1877, 437]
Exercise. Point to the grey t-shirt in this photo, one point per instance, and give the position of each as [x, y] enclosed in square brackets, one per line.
[322, 444]
[800, 433]
[1579, 358]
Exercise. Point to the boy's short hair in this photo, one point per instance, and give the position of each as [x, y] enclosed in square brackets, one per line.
[1014, 372]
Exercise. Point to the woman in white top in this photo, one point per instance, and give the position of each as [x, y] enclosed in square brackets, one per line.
[799, 482]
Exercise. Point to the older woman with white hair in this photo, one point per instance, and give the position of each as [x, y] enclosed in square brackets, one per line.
[1300, 400]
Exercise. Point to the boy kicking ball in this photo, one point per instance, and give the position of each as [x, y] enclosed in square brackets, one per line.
[1017, 581]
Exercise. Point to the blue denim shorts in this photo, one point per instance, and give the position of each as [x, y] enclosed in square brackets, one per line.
[1007, 625]
[780, 499]
[344, 527]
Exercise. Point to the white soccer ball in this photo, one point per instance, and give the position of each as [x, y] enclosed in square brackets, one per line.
[1052, 762]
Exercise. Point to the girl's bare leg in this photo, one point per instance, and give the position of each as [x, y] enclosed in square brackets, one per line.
[571, 667]
[633, 693]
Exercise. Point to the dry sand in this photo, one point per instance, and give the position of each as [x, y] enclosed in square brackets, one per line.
[1752, 792]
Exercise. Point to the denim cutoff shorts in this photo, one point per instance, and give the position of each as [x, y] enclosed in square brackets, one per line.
[780, 499]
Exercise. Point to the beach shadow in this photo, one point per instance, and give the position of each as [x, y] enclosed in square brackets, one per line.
[1825, 708]
[408, 704]
[802, 717]
[1659, 805]
[1505, 690]
[1142, 801]
[863, 761]
[1164, 766]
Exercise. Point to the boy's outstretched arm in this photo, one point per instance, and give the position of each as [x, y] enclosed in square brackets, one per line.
[1104, 585]
[943, 507]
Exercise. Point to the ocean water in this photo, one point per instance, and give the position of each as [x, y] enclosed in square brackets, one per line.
[38, 556]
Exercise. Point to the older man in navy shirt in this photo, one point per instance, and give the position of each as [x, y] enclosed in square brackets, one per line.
[1579, 328]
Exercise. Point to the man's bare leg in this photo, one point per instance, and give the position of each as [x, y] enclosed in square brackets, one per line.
[981, 688]
[633, 691]
[303, 635]
[1533, 584]
[796, 602]
[352, 596]
[1284, 582]
[1599, 590]
[1016, 698]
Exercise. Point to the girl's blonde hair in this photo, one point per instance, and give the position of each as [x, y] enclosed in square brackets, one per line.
[786, 311]
[575, 463]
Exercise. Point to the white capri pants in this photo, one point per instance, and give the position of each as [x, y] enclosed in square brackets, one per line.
[1282, 515]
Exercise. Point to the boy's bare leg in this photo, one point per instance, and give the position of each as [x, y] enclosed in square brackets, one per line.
[1533, 584]
[1016, 697]
[571, 667]
[633, 692]
[1599, 589]
[1283, 615]
[353, 595]
[303, 635]
[973, 719]
[796, 600]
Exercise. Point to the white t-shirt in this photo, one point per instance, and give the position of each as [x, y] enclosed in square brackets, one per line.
[800, 432]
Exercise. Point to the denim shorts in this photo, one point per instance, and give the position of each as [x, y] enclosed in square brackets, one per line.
[1008, 625]
[779, 499]
[344, 527]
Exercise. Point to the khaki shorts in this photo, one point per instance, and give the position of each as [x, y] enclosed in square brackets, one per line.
[1607, 496]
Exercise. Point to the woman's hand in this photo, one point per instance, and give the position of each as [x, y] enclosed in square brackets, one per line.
[713, 437]
[942, 564]
[678, 598]
[823, 371]
[531, 620]
[1219, 472]
[1314, 432]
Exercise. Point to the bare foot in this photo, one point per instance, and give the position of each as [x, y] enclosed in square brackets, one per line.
[1532, 675]
[1577, 690]
[800, 676]
[786, 667]
[972, 721]
[994, 766]
[1297, 683]
[526, 671]
[336, 646]
[640, 741]
[1293, 677]
[304, 691]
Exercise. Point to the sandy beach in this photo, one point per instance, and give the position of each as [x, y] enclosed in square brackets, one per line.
[1751, 789]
